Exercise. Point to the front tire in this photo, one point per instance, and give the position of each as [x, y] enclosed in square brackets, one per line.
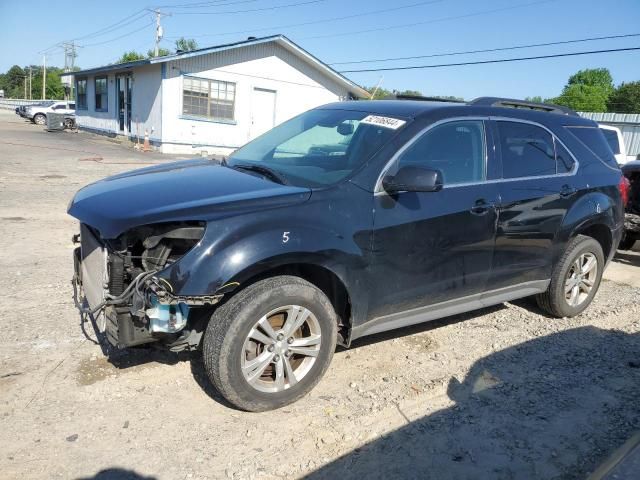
[39, 119]
[575, 279]
[270, 344]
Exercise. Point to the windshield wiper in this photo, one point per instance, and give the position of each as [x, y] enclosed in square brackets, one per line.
[264, 171]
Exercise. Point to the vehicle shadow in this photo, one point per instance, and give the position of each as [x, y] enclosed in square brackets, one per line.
[117, 474]
[550, 408]
[624, 258]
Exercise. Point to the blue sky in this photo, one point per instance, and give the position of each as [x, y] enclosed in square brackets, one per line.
[27, 27]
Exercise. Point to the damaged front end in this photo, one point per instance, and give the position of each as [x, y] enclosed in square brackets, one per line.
[117, 285]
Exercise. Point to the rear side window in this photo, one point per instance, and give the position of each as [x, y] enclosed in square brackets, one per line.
[527, 150]
[612, 140]
[593, 139]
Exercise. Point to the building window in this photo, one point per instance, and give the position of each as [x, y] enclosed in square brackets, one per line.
[102, 99]
[208, 98]
[81, 94]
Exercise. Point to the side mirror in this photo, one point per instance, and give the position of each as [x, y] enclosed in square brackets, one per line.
[413, 179]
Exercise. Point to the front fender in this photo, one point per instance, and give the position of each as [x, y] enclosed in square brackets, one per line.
[326, 231]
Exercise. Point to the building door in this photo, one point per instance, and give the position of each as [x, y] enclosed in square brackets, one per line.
[263, 111]
[123, 87]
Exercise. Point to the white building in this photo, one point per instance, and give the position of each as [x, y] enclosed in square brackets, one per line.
[212, 99]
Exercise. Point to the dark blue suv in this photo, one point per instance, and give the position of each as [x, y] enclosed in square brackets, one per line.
[348, 220]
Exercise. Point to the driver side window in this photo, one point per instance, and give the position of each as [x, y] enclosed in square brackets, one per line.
[456, 149]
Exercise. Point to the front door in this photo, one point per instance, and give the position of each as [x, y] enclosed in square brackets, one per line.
[431, 247]
[263, 111]
[123, 87]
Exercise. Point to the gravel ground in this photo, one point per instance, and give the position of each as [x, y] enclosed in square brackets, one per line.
[500, 393]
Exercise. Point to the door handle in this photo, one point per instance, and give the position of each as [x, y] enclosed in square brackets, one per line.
[482, 207]
[567, 191]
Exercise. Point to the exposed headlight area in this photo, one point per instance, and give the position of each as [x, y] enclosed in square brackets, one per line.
[155, 247]
[119, 277]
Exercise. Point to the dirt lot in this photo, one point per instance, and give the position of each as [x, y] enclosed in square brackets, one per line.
[501, 393]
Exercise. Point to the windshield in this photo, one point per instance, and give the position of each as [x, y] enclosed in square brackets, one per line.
[319, 147]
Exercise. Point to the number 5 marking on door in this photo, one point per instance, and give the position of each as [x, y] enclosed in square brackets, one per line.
[285, 237]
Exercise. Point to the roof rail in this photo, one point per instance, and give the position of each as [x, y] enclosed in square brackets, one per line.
[421, 98]
[512, 103]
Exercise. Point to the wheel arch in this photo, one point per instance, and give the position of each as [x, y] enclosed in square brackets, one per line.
[594, 216]
[321, 276]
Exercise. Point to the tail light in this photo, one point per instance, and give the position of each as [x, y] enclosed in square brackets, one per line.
[624, 186]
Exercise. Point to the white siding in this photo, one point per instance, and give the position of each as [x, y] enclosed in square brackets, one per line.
[100, 121]
[147, 101]
[298, 87]
[146, 104]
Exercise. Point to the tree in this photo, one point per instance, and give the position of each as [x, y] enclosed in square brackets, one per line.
[186, 44]
[382, 93]
[13, 82]
[587, 90]
[162, 52]
[625, 98]
[583, 98]
[131, 56]
[595, 77]
[534, 99]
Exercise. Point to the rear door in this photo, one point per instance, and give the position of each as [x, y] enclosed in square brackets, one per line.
[431, 247]
[538, 186]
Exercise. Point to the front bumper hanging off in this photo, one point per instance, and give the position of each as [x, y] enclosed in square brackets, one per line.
[147, 311]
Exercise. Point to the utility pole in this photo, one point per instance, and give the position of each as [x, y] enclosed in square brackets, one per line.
[30, 84]
[25, 87]
[159, 30]
[44, 75]
[69, 62]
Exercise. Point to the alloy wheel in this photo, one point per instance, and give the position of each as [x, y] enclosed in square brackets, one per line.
[281, 348]
[580, 279]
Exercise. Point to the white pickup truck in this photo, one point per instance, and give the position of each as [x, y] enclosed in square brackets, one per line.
[616, 142]
[38, 113]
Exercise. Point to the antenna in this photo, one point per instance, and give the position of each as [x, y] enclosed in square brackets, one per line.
[377, 87]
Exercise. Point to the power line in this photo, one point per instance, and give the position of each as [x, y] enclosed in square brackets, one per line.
[484, 62]
[324, 20]
[115, 26]
[275, 7]
[219, 3]
[427, 22]
[487, 50]
[121, 36]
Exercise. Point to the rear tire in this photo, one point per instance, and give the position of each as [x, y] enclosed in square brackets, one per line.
[39, 119]
[572, 287]
[627, 242]
[259, 361]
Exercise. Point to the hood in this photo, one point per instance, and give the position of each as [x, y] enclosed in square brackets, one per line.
[188, 190]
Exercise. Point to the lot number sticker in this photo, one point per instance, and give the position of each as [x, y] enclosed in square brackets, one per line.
[386, 122]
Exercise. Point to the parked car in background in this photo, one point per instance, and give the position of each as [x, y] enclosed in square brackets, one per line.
[38, 113]
[1, 93]
[616, 142]
[631, 171]
[22, 109]
[351, 219]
